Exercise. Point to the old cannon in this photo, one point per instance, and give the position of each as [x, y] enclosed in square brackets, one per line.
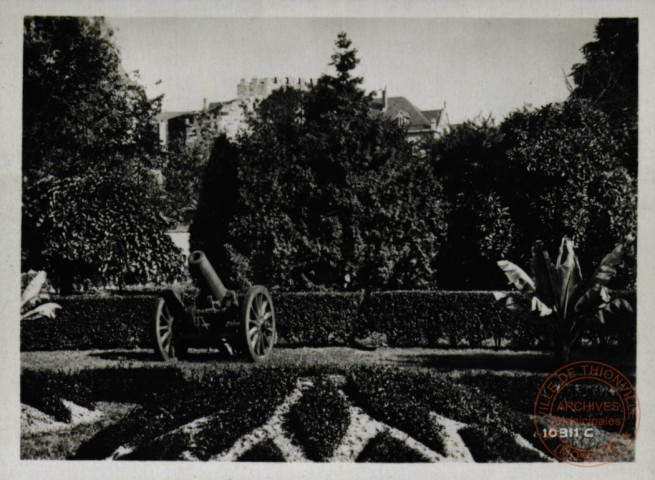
[219, 317]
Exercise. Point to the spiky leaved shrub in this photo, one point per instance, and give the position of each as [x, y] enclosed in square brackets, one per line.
[559, 297]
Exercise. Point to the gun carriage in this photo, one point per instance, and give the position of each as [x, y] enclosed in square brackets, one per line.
[219, 316]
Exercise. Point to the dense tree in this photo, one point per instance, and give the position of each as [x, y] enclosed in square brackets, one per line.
[608, 79]
[562, 175]
[330, 195]
[217, 206]
[91, 195]
[480, 228]
[542, 174]
[563, 169]
[182, 169]
[94, 229]
[323, 192]
[80, 108]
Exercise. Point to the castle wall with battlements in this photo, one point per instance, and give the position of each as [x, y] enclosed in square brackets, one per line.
[262, 87]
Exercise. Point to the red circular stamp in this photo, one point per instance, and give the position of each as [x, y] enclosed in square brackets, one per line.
[587, 414]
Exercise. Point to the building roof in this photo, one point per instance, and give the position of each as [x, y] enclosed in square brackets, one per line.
[214, 105]
[165, 116]
[433, 114]
[396, 105]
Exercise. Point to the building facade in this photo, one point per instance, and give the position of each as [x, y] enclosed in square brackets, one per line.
[262, 87]
[420, 124]
[229, 117]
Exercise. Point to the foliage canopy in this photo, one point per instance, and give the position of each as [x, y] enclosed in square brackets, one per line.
[90, 152]
[609, 79]
[329, 194]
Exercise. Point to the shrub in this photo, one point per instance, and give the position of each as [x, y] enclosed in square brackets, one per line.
[319, 420]
[100, 228]
[504, 388]
[559, 298]
[561, 175]
[397, 399]
[427, 318]
[246, 399]
[404, 399]
[44, 390]
[324, 193]
[383, 448]
[480, 227]
[491, 445]
[45, 393]
[232, 403]
[89, 322]
[265, 451]
[91, 203]
[408, 318]
[328, 318]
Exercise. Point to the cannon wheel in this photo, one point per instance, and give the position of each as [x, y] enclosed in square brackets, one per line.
[167, 344]
[257, 329]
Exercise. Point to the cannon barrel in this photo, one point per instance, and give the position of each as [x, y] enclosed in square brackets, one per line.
[202, 269]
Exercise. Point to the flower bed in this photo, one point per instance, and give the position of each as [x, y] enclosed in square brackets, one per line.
[203, 414]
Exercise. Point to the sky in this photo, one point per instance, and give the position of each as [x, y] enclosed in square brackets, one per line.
[473, 66]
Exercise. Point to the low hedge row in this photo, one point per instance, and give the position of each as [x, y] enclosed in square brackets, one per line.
[394, 394]
[430, 319]
[384, 448]
[407, 318]
[318, 319]
[265, 451]
[491, 445]
[244, 401]
[398, 401]
[319, 420]
[92, 322]
[503, 388]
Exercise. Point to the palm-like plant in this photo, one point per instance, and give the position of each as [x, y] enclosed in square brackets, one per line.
[558, 295]
[31, 306]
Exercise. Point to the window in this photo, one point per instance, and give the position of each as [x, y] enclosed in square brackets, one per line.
[403, 119]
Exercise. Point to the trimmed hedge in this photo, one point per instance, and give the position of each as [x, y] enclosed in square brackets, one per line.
[408, 318]
[317, 319]
[431, 319]
[398, 399]
[265, 451]
[224, 405]
[386, 449]
[92, 322]
[233, 403]
[319, 420]
[488, 444]
[245, 401]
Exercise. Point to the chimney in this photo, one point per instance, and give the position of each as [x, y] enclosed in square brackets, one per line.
[204, 104]
[385, 105]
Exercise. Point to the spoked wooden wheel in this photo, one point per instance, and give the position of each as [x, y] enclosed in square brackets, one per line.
[258, 323]
[167, 346]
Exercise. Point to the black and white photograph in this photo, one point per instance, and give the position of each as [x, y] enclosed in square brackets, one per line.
[390, 243]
